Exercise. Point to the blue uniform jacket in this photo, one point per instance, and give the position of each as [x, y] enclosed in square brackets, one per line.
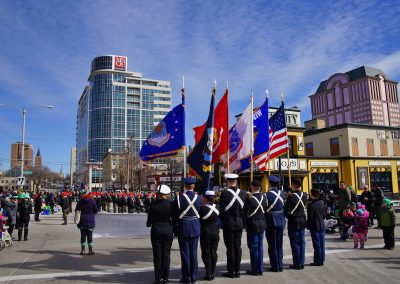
[189, 225]
[275, 218]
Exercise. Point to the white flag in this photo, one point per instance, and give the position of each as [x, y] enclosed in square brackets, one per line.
[241, 138]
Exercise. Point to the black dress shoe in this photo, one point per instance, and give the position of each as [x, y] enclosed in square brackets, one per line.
[184, 281]
[295, 267]
[250, 272]
[273, 270]
[237, 274]
[301, 267]
[314, 264]
[207, 278]
[229, 274]
[165, 281]
[260, 273]
[212, 276]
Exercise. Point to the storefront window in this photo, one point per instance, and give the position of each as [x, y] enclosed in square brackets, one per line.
[325, 181]
[381, 179]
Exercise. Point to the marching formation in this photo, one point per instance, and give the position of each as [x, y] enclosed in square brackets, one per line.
[192, 217]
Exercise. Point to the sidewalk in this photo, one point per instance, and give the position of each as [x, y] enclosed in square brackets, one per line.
[52, 254]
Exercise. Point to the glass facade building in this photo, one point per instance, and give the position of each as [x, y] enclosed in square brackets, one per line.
[118, 109]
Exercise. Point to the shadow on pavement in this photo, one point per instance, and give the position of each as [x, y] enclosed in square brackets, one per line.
[383, 260]
[68, 261]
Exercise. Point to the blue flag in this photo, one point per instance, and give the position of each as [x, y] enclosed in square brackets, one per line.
[168, 137]
[261, 134]
[200, 158]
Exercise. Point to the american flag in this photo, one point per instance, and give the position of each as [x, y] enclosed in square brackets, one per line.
[278, 138]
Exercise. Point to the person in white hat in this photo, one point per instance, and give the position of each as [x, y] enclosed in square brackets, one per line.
[160, 219]
[209, 237]
[233, 222]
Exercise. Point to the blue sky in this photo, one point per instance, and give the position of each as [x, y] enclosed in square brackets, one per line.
[46, 48]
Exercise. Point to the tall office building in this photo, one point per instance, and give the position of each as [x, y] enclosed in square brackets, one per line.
[72, 166]
[118, 109]
[364, 95]
[16, 155]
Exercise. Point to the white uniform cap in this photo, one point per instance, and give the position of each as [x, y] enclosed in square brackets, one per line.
[164, 189]
[209, 193]
[231, 176]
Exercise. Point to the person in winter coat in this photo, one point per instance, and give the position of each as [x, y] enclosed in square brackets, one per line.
[64, 203]
[160, 219]
[360, 228]
[378, 203]
[24, 211]
[366, 200]
[209, 236]
[254, 209]
[38, 206]
[388, 222]
[12, 214]
[315, 223]
[85, 210]
[295, 213]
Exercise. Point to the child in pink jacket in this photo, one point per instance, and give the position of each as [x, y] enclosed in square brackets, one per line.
[360, 229]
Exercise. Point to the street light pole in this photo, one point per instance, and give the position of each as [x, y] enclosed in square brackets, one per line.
[24, 111]
[23, 143]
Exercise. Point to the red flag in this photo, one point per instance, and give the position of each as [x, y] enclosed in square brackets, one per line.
[198, 132]
[221, 129]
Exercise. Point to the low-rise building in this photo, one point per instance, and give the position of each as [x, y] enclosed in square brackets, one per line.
[358, 154]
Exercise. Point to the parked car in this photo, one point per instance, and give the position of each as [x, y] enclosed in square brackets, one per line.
[396, 205]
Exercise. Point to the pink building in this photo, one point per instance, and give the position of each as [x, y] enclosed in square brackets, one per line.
[363, 95]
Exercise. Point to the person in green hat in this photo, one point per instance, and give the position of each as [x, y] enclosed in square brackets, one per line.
[388, 222]
[24, 211]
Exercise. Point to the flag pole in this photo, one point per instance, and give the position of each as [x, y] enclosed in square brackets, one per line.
[288, 155]
[184, 147]
[227, 129]
[251, 139]
[267, 161]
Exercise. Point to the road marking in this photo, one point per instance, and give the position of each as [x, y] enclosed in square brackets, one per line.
[144, 269]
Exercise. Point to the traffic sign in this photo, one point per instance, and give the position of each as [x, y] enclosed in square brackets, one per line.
[21, 181]
[28, 173]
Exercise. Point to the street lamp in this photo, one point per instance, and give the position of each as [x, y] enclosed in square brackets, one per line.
[24, 112]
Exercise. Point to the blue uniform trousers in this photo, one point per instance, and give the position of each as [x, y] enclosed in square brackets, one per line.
[275, 247]
[318, 240]
[188, 249]
[255, 244]
[298, 245]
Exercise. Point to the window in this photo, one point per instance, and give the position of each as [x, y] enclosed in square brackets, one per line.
[370, 147]
[396, 148]
[354, 146]
[384, 149]
[335, 150]
[310, 149]
[290, 144]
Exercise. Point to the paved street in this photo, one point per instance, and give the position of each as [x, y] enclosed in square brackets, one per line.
[125, 256]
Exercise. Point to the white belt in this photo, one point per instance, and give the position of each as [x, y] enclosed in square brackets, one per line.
[190, 206]
[300, 201]
[259, 205]
[277, 197]
[235, 198]
[213, 209]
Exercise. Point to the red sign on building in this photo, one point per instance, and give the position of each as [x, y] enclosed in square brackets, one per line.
[120, 63]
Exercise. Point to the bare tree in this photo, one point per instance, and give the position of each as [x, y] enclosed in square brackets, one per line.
[121, 170]
[140, 172]
[42, 174]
